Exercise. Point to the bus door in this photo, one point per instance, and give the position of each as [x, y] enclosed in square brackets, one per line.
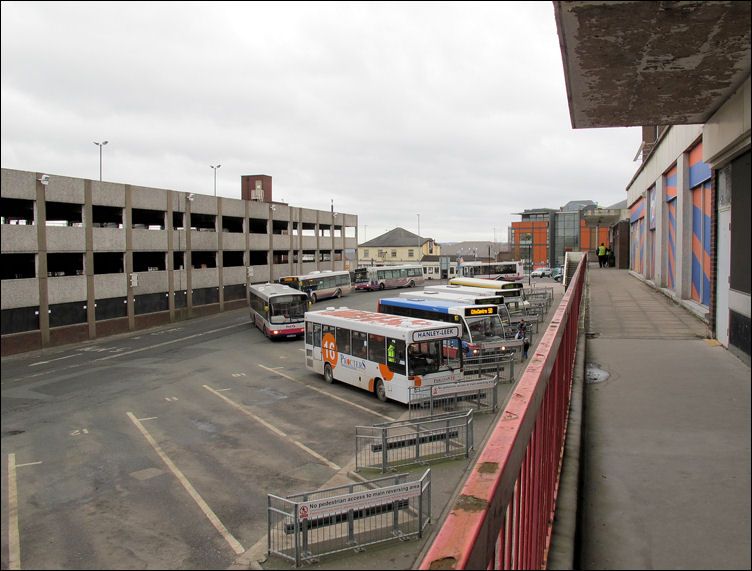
[315, 340]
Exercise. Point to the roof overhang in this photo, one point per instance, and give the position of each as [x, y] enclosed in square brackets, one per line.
[603, 217]
[640, 63]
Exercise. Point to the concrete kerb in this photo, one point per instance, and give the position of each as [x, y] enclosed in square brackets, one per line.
[562, 553]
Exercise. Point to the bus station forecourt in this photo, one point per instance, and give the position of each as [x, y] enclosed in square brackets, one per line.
[657, 463]
[446, 475]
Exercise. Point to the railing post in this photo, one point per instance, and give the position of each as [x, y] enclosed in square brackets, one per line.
[383, 451]
[417, 441]
[297, 532]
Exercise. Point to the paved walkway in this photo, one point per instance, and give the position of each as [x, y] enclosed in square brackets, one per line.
[665, 456]
[666, 436]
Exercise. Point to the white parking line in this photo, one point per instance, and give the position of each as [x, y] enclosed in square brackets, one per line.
[218, 525]
[170, 342]
[318, 390]
[275, 430]
[50, 360]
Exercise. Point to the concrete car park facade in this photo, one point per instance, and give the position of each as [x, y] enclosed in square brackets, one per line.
[84, 259]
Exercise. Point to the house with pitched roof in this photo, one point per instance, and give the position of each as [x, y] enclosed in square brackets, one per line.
[398, 246]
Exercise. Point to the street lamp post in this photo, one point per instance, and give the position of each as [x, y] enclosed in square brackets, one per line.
[419, 240]
[215, 177]
[100, 145]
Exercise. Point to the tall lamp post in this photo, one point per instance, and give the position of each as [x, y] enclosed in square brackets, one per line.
[100, 145]
[419, 240]
[215, 177]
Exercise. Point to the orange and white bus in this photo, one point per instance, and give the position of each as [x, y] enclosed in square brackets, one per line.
[388, 355]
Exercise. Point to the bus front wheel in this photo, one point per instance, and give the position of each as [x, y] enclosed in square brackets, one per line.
[313, 298]
[380, 391]
[328, 374]
[338, 294]
[381, 286]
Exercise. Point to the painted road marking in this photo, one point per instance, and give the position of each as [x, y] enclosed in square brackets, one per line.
[318, 390]
[117, 355]
[218, 525]
[50, 360]
[14, 542]
[274, 429]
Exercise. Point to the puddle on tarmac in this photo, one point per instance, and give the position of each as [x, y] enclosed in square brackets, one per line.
[594, 374]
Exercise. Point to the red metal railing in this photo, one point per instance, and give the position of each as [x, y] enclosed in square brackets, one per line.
[503, 515]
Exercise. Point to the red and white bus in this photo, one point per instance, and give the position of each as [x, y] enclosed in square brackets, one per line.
[278, 310]
[388, 355]
[492, 270]
[385, 277]
[321, 284]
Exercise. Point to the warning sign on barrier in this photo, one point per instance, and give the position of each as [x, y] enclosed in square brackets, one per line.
[358, 500]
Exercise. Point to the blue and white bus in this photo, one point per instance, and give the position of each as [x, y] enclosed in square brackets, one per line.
[461, 294]
[482, 330]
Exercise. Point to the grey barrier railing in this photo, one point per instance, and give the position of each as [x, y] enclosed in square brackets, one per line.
[480, 394]
[390, 445]
[502, 518]
[306, 526]
[494, 365]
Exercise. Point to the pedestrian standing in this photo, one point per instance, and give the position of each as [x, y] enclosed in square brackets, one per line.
[601, 254]
[522, 334]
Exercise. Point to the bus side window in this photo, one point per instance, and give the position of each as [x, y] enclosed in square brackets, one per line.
[313, 334]
[328, 330]
[343, 340]
[395, 355]
[376, 348]
[360, 344]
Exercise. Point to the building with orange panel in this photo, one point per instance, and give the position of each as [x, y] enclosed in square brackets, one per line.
[545, 235]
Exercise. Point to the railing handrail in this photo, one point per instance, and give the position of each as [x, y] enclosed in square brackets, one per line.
[501, 518]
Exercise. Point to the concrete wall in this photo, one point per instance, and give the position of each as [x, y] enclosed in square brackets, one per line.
[31, 297]
[725, 137]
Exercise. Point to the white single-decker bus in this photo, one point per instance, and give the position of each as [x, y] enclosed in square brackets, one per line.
[388, 355]
[277, 310]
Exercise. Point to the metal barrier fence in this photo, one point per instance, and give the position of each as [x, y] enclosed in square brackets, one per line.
[493, 365]
[545, 293]
[479, 394]
[502, 517]
[393, 444]
[306, 526]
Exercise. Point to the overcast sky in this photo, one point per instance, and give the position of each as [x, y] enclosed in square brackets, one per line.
[443, 118]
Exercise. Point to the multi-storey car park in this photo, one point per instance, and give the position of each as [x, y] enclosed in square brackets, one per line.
[82, 259]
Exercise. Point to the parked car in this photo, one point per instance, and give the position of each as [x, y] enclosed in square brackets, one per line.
[540, 272]
[557, 273]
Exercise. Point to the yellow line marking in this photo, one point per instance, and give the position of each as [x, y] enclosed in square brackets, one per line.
[318, 390]
[218, 525]
[14, 544]
[274, 429]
